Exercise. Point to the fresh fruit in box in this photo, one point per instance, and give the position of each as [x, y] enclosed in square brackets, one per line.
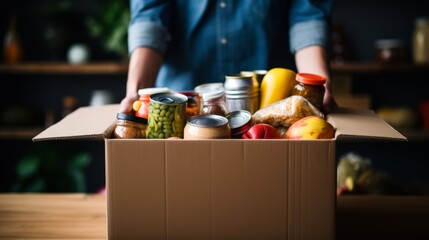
[311, 127]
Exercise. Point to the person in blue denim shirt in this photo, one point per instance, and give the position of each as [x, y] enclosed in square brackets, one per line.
[181, 44]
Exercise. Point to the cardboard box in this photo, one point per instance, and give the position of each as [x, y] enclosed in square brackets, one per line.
[219, 189]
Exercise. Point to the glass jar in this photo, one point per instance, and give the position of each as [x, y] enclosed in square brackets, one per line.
[194, 103]
[389, 51]
[214, 103]
[311, 87]
[421, 41]
[141, 106]
[130, 126]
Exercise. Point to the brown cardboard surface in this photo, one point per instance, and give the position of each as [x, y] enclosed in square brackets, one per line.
[361, 123]
[221, 189]
[85, 122]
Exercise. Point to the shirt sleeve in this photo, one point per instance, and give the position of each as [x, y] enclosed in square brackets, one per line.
[149, 25]
[309, 23]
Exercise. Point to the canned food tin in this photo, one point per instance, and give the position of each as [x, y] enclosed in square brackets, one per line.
[209, 126]
[242, 92]
[167, 115]
[239, 122]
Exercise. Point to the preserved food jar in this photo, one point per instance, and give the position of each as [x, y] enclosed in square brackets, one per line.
[214, 102]
[141, 106]
[311, 87]
[194, 103]
[421, 41]
[130, 126]
[207, 126]
[167, 115]
[389, 51]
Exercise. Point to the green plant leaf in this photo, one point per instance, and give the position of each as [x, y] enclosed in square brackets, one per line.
[80, 160]
[28, 166]
[37, 185]
[78, 181]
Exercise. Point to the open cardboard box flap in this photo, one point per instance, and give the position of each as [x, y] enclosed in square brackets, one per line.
[83, 123]
[98, 122]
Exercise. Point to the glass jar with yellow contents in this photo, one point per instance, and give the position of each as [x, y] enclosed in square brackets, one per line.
[311, 87]
[130, 126]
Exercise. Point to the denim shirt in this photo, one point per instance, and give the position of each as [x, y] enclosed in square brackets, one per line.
[204, 40]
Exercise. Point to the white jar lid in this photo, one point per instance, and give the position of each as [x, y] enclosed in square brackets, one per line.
[145, 91]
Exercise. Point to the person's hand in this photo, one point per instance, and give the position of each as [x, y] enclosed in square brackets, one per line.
[329, 103]
[126, 105]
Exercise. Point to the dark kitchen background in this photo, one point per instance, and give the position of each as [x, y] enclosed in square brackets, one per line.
[41, 85]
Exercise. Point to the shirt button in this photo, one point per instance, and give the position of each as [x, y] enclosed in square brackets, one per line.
[224, 41]
[222, 4]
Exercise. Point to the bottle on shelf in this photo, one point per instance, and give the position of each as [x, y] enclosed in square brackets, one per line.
[421, 41]
[12, 44]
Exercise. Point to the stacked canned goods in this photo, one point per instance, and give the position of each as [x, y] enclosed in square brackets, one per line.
[167, 115]
[242, 92]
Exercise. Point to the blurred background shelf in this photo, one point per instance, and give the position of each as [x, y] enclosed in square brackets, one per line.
[64, 68]
[122, 68]
[376, 68]
[20, 133]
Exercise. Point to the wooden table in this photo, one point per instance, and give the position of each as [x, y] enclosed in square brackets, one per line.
[52, 216]
[82, 216]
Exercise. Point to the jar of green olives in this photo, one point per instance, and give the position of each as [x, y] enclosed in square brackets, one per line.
[167, 115]
[311, 87]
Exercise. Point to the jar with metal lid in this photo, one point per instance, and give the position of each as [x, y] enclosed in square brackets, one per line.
[207, 126]
[130, 126]
[239, 122]
[421, 41]
[167, 115]
[209, 87]
[311, 87]
[141, 106]
[214, 103]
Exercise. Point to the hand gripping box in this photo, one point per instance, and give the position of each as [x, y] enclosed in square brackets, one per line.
[219, 189]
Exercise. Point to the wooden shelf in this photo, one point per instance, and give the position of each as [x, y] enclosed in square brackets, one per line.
[122, 68]
[373, 68]
[20, 133]
[65, 68]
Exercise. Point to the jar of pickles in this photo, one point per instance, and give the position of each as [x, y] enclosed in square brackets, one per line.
[129, 126]
[141, 106]
[167, 115]
[311, 87]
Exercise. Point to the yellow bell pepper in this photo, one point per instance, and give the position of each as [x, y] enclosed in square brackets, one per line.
[276, 85]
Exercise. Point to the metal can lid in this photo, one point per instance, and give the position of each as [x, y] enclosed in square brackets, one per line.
[207, 120]
[131, 118]
[169, 98]
[239, 120]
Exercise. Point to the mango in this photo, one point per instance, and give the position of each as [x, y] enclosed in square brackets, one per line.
[311, 127]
